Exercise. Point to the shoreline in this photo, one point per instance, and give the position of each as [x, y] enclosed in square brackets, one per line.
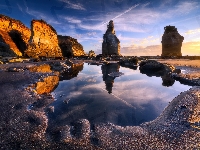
[177, 123]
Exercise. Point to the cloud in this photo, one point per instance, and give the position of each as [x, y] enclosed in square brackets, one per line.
[192, 31]
[76, 6]
[137, 50]
[72, 20]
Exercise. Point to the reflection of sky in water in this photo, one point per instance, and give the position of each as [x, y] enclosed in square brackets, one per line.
[135, 97]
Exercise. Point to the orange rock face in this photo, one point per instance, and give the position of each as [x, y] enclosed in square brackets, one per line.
[43, 40]
[15, 34]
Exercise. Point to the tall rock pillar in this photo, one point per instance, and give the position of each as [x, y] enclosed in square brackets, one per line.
[111, 44]
[171, 42]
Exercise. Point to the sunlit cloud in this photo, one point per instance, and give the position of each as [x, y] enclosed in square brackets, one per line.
[192, 31]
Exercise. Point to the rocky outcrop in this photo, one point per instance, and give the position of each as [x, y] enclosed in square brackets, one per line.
[70, 46]
[171, 42]
[154, 68]
[111, 44]
[43, 41]
[91, 53]
[14, 36]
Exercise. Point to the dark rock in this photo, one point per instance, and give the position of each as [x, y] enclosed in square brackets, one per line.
[154, 68]
[129, 62]
[110, 45]
[171, 42]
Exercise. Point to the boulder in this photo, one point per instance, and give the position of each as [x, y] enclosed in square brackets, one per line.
[43, 41]
[111, 44]
[171, 42]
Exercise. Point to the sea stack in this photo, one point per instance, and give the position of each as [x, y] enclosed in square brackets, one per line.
[171, 42]
[43, 41]
[111, 44]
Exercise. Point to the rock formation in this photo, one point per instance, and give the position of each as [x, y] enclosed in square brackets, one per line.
[110, 45]
[91, 53]
[171, 42]
[70, 46]
[14, 36]
[43, 41]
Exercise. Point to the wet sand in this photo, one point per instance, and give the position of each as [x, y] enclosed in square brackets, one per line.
[22, 128]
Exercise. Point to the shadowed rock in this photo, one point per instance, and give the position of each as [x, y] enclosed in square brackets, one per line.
[70, 46]
[171, 42]
[110, 45]
[154, 68]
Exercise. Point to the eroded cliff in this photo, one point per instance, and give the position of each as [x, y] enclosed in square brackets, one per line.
[43, 40]
[14, 36]
[70, 46]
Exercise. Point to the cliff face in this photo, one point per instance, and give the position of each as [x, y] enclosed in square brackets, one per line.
[14, 37]
[70, 46]
[171, 42]
[43, 40]
[111, 44]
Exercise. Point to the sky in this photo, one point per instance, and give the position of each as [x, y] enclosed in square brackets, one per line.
[139, 24]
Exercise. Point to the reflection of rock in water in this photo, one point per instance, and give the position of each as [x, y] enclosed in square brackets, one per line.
[71, 72]
[109, 80]
[154, 68]
[167, 80]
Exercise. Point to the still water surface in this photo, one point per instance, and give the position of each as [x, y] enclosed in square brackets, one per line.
[130, 99]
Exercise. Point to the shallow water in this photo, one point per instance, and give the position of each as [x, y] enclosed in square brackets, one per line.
[130, 99]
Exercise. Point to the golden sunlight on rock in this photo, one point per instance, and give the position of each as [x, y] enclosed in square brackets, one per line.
[48, 85]
[15, 34]
[43, 40]
[42, 68]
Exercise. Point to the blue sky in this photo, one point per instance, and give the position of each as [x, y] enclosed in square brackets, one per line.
[139, 24]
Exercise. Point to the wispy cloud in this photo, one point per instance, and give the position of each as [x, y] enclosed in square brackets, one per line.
[76, 6]
[72, 20]
[40, 15]
[20, 8]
